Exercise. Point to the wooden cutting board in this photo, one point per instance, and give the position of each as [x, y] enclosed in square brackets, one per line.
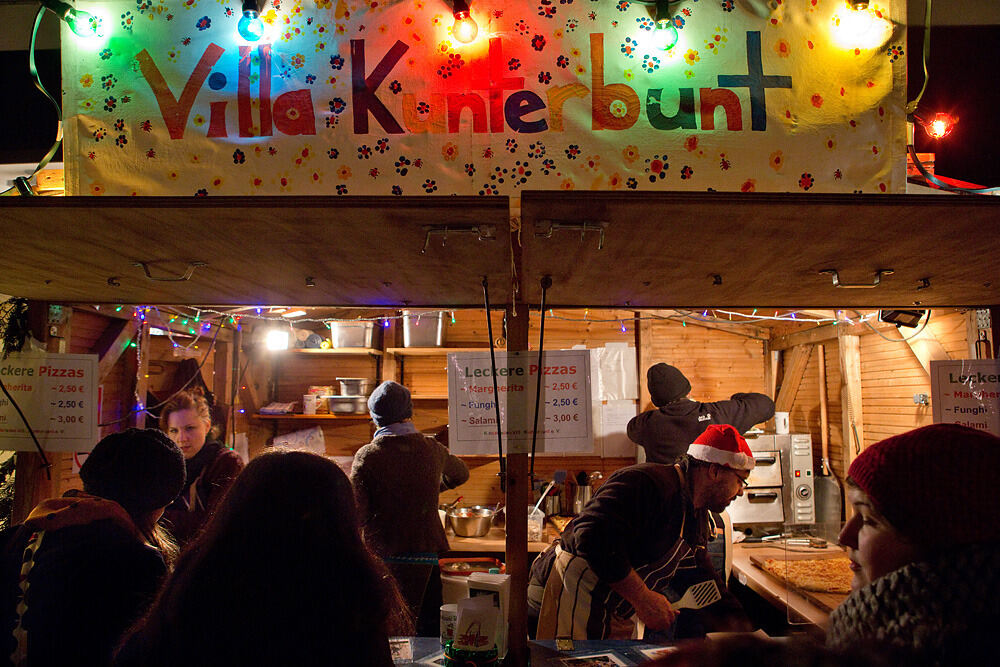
[826, 601]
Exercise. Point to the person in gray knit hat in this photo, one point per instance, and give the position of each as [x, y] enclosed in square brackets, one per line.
[666, 431]
[397, 478]
[83, 567]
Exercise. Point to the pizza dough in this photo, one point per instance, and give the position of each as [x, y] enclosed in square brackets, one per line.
[822, 575]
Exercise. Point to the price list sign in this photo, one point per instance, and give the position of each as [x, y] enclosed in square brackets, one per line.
[967, 392]
[564, 408]
[57, 394]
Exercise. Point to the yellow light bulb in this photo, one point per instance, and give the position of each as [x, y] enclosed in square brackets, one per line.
[465, 29]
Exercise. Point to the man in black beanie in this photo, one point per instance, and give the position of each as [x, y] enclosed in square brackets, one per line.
[667, 431]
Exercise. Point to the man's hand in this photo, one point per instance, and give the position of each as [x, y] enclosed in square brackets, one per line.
[652, 608]
[656, 611]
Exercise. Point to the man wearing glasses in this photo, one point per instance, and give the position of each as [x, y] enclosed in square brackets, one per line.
[640, 543]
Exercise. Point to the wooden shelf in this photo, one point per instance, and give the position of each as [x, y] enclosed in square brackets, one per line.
[300, 416]
[308, 351]
[431, 351]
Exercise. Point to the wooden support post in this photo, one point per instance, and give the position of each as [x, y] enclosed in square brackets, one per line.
[112, 344]
[995, 330]
[518, 489]
[824, 422]
[137, 417]
[925, 347]
[850, 394]
[32, 483]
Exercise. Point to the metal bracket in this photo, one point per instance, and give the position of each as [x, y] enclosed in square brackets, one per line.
[483, 233]
[582, 227]
[875, 283]
[187, 274]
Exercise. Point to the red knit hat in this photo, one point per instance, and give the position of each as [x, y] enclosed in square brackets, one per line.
[722, 444]
[937, 485]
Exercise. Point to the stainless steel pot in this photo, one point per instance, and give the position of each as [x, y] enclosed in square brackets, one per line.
[472, 521]
[348, 405]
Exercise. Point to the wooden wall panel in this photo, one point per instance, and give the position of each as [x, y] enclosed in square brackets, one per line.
[804, 417]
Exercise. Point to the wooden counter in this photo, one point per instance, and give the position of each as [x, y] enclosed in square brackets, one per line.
[495, 541]
[804, 606]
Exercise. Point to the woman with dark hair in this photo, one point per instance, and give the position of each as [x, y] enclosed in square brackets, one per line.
[211, 466]
[82, 568]
[924, 544]
[279, 576]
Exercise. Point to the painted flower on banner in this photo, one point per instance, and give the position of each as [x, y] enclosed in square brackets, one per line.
[96, 189]
[630, 154]
[364, 152]
[830, 143]
[499, 174]
[522, 27]
[629, 47]
[470, 169]
[402, 165]
[105, 54]
[520, 173]
[204, 23]
[592, 162]
[398, 190]
[895, 52]
[645, 23]
[110, 103]
[430, 185]
[538, 42]
[127, 20]
[120, 125]
[548, 166]
[341, 189]
[728, 5]
[298, 61]
[544, 78]
[99, 134]
[622, 5]
[333, 153]
[650, 63]
[749, 185]
[87, 80]
[513, 64]
[382, 145]
[373, 172]
[656, 168]
[618, 109]
[449, 151]
[546, 10]
[782, 48]
[631, 183]
[691, 57]
[120, 141]
[256, 181]
[511, 146]
[615, 181]
[344, 172]
[489, 189]
[686, 172]
[806, 181]
[239, 157]
[423, 108]
[337, 62]
[572, 151]
[572, 25]
[777, 160]
[562, 61]
[567, 184]
[536, 150]
[337, 105]
[396, 87]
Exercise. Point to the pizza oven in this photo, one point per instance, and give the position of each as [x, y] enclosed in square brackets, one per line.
[780, 488]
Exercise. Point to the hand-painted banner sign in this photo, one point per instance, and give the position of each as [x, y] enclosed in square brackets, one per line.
[352, 97]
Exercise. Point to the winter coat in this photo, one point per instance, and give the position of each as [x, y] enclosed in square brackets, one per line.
[397, 479]
[89, 576]
[210, 473]
[667, 432]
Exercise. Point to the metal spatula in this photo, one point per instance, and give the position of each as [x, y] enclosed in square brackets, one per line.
[698, 596]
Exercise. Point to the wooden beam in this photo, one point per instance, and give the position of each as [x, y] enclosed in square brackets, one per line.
[824, 422]
[971, 334]
[771, 360]
[925, 347]
[995, 330]
[118, 333]
[735, 328]
[795, 368]
[826, 332]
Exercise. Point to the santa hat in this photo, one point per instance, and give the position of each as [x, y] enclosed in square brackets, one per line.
[722, 444]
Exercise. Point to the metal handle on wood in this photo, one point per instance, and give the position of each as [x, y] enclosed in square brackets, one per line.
[763, 496]
[581, 227]
[875, 283]
[764, 460]
[483, 232]
[187, 274]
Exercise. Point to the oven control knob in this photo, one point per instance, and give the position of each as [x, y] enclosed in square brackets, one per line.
[803, 492]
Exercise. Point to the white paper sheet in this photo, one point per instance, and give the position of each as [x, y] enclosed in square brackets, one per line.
[615, 415]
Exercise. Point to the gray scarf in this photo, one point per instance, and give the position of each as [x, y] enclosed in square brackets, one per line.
[944, 610]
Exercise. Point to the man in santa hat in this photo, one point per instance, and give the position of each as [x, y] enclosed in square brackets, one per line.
[641, 538]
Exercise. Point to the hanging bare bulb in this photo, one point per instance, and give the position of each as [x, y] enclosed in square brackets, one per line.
[465, 29]
[938, 127]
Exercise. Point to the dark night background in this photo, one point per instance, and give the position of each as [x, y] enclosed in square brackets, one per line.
[962, 82]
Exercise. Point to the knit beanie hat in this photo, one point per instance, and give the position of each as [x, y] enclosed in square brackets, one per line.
[140, 469]
[666, 384]
[937, 485]
[390, 403]
[722, 444]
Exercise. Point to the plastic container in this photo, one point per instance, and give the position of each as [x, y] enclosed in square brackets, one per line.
[352, 334]
[423, 329]
[536, 524]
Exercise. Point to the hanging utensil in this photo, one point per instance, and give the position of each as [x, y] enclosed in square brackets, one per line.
[542, 497]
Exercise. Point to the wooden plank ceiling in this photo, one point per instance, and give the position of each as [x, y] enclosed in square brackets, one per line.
[358, 251]
[761, 250]
[660, 250]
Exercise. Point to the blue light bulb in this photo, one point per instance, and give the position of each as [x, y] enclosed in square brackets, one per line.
[250, 26]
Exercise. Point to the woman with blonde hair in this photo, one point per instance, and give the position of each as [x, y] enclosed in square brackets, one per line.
[211, 466]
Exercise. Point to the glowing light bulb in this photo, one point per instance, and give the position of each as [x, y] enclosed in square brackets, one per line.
[465, 29]
[277, 339]
[665, 35]
[940, 126]
[250, 26]
[83, 24]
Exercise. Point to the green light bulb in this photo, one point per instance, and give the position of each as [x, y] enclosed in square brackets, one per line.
[84, 24]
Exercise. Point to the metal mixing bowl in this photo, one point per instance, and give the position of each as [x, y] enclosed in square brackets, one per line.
[471, 521]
